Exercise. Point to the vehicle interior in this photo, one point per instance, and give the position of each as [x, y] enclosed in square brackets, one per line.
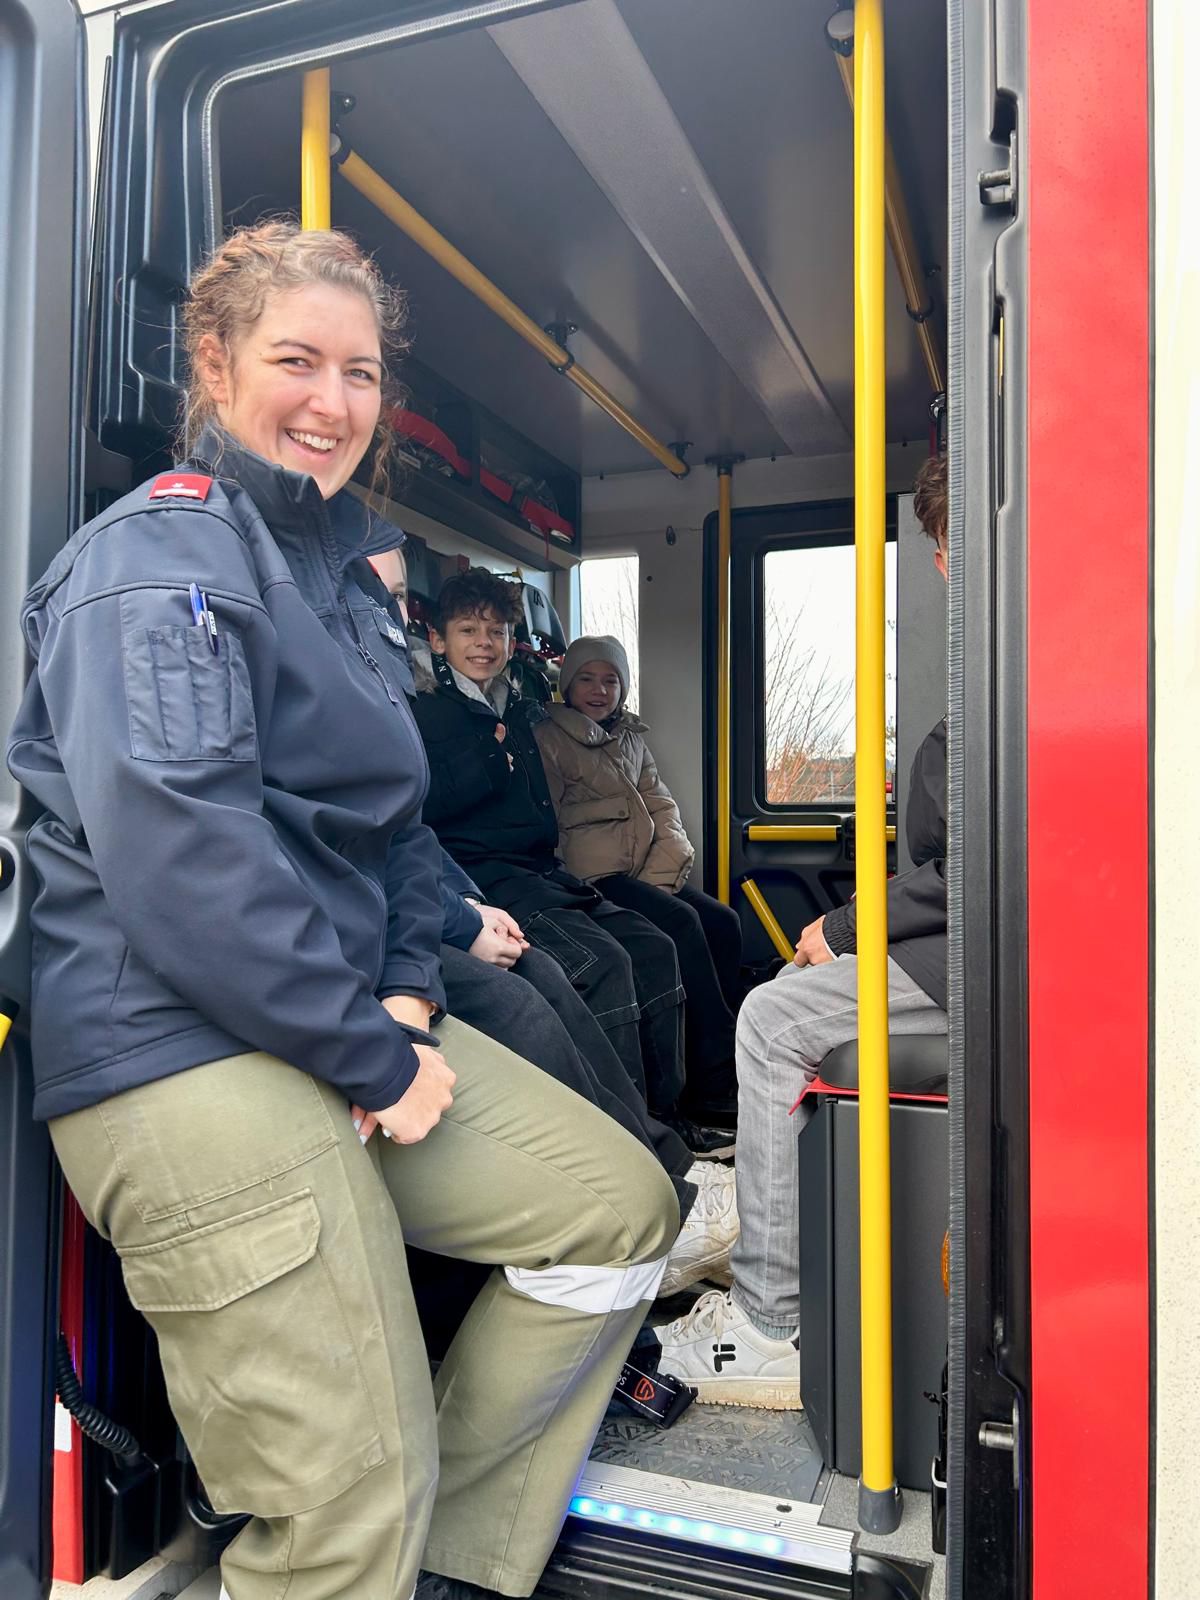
[665, 188]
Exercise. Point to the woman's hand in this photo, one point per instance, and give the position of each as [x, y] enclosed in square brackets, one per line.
[501, 735]
[419, 1109]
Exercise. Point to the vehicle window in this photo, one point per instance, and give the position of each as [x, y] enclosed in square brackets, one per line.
[608, 593]
[808, 674]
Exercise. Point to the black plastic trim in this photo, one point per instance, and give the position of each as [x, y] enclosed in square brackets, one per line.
[41, 252]
[591, 1563]
[988, 1551]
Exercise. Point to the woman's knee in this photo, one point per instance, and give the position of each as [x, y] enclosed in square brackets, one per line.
[651, 1209]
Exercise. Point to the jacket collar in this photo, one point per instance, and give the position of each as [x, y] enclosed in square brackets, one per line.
[582, 728]
[291, 503]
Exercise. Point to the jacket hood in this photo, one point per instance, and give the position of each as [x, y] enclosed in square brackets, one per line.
[585, 731]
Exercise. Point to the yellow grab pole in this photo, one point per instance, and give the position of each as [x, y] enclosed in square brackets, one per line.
[369, 183]
[768, 918]
[904, 248]
[878, 1496]
[315, 209]
[724, 466]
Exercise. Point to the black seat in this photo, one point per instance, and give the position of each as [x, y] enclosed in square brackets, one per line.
[918, 1063]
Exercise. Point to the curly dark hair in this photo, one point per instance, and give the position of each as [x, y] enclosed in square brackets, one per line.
[474, 593]
[931, 497]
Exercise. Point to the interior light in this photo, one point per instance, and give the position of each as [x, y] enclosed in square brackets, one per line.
[704, 1532]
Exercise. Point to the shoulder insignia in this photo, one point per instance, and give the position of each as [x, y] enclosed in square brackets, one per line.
[181, 486]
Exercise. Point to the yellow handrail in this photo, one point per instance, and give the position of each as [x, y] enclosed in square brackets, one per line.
[369, 183]
[878, 1496]
[768, 918]
[314, 150]
[800, 833]
[724, 685]
[904, 247]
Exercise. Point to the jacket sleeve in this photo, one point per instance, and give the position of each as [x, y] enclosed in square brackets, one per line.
[463, 771]
[458, 881]
[671, 855]
[159, 742]
[916, 900]
[412, 963]
[916, 905]
[461, 923]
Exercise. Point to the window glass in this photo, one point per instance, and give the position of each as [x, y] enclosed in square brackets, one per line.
[808, 674]
[608, 594]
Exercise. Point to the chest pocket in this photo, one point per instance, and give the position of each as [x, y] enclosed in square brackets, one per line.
[185, 703]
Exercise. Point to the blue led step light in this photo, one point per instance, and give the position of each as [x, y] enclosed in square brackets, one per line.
[707, 1532]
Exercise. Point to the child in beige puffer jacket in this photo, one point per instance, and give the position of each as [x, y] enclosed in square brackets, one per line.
[620, 829]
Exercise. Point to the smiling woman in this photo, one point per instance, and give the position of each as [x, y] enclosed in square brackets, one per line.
[214, 682]
[288, 335]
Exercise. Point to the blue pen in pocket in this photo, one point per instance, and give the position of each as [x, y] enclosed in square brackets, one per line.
[202, 615]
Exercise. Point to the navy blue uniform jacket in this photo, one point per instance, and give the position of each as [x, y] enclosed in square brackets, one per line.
[231, 856]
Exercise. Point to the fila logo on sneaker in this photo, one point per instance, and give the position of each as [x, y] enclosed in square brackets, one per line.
[723, 1354]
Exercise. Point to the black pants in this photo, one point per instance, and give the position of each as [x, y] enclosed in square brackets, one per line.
[708, 940]
[627, 973]
[533, 1009]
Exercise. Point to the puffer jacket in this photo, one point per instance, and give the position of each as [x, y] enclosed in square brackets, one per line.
[615, 814]
[231, 855]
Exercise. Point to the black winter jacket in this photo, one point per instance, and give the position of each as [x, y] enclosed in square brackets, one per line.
[231, 856]
[916, 900]
[495, 820]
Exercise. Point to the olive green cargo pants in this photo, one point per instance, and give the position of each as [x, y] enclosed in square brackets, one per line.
[264, 1244]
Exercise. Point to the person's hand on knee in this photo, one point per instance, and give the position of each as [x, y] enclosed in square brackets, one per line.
[811, 949]
[419, 1109]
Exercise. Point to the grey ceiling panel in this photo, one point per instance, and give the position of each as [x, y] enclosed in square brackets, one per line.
[752, 93]
[584, 68]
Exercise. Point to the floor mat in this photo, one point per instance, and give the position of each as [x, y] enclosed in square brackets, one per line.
[766, 1452]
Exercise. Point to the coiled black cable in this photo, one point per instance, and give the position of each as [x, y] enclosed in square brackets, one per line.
[94, 1423]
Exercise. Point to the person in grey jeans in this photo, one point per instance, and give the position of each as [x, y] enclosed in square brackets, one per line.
[740, 1346]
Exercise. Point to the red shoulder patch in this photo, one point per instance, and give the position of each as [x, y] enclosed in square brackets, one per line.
[181, 486]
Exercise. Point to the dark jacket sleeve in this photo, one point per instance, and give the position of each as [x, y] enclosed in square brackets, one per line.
[190, 866]
[462, 924]
[916, 900]
[412, 964]
[465, 768]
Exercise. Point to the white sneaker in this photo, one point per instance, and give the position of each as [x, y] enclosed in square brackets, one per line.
[718, 1351]
[706, 1238]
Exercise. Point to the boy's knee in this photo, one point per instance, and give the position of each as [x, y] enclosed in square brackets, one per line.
[752, 1020]
[617, 962]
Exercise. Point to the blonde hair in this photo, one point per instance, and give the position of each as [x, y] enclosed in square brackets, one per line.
[230, 292]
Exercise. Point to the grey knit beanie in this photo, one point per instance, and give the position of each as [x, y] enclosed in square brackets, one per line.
[594, 647]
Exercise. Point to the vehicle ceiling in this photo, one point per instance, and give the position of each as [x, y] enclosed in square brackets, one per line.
[702, 244]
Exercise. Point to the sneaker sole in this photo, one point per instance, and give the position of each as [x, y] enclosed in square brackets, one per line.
[714, 1268]
[750, 1394]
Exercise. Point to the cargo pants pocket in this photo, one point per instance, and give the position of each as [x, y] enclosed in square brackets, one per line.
[261, 1366]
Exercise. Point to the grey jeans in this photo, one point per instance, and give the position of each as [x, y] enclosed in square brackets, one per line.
[785, 1030]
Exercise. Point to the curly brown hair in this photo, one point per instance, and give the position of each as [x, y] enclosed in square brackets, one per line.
[931, 497]
[474, 593]
[229, 293]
